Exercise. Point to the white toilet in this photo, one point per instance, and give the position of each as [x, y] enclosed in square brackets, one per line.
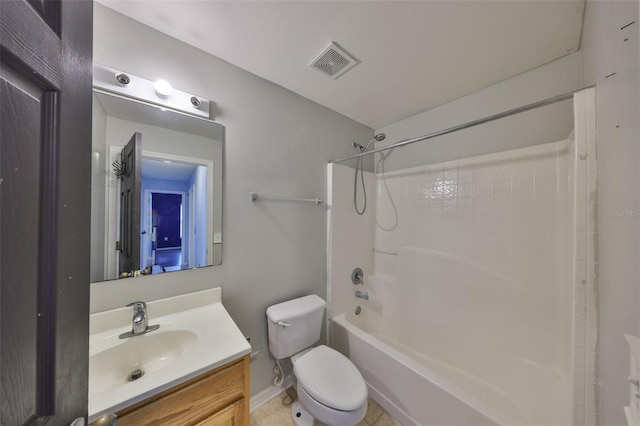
[331, 390]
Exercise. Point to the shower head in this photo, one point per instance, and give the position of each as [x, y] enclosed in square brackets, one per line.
[376, 138]
[379, 137]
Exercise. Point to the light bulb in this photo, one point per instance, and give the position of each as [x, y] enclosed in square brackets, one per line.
[163, 88]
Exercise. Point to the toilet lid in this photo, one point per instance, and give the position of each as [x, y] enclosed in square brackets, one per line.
[331, 379]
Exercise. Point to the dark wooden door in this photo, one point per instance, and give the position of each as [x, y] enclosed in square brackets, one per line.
[167, 209]
[45, 169]
[130, 204]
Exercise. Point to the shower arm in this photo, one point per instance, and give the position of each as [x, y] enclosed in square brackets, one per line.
[539, 104]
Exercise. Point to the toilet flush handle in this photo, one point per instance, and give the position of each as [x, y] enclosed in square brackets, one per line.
[283, 324]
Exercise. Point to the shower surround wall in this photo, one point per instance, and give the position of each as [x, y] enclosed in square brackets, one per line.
[495, 253]
[505, 211]
[507, 216]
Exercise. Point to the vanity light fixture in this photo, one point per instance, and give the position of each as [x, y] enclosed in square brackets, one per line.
[122, 79]
[159, 93]
[163, 88]
[196, 102]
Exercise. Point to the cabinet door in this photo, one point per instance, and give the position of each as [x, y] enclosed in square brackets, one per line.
[232, 415]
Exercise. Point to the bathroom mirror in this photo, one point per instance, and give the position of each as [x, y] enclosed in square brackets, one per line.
[176, 223]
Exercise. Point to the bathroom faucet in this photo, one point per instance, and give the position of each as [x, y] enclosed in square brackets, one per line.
[362, 295]
[140, 321]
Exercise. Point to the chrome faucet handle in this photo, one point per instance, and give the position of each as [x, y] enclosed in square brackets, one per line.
[138, 306]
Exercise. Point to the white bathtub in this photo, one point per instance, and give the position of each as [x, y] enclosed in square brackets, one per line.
[417, 389]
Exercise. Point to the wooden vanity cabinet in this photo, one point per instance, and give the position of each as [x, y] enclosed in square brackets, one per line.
[218, 397]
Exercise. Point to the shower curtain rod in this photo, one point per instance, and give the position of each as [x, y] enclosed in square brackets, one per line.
[504, 114]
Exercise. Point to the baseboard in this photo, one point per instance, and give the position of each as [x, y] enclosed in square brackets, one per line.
[261, 398]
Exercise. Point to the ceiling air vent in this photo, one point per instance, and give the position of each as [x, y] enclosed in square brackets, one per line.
[333, 61]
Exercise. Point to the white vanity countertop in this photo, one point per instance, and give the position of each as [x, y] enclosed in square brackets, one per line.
[196, 335]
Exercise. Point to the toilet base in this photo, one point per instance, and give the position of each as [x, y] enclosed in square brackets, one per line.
[301, 417]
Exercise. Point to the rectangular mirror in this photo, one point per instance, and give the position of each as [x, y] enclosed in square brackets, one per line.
[156, 206]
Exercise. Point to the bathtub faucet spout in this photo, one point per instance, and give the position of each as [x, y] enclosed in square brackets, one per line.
[362, 295]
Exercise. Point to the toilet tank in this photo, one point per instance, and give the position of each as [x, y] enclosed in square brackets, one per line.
[294, 325]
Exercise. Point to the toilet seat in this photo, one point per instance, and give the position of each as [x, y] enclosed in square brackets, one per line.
[331, 379]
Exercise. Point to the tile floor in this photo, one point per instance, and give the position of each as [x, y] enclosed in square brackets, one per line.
[275, 413]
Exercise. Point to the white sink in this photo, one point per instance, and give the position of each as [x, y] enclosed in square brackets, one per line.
[196, 334]
[149, 352]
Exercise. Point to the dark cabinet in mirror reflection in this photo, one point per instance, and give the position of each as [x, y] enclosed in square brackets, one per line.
[130, 185]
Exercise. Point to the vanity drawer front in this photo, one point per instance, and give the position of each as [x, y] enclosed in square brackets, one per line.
[192, 402]
[233, 415]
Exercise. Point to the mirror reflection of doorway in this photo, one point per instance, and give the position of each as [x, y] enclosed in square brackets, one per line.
[174, 220]
[164, 173]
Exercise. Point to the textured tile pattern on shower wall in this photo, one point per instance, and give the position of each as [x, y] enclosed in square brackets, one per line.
[505, 211]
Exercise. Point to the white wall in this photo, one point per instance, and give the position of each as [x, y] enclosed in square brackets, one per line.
[276, 142]
[160, 140]
[611, 61]
[540, 126]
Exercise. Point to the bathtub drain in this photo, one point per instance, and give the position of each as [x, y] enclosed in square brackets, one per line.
[358, 310]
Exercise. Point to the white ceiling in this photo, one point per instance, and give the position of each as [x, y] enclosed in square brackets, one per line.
[414, 55]
[167, 170]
